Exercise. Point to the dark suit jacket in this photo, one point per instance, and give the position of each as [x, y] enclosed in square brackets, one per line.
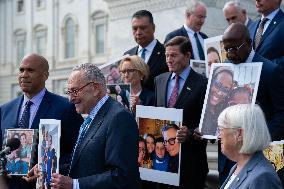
[147, 98]
[270, 98]
[271, 43]
[157, 63]
[107, 156]
[52, 107]
[258, 173]
[194, 166]
[182, 32]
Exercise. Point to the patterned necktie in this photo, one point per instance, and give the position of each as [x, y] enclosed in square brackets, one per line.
[82, 132]
[143, 53]
[25, 119]
[259, 32]
[199, 47]
[174, 95]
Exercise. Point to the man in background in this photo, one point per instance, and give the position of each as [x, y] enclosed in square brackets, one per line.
[195, 16]
[148, 48]
[234, 11]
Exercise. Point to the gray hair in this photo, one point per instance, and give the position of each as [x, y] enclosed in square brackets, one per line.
[251, 120]
[92, 73]
[237, 4]
[191, 6]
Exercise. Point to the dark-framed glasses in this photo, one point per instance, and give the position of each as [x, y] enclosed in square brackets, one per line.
[220, 87]
[76, 91]
[128, 71]
[171, 141]
[234, 49]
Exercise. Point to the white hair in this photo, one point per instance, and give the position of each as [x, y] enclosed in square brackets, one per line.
[191, 6]
[237, 4]
[251, 120]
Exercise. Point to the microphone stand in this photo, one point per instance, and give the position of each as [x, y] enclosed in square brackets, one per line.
[3, 162]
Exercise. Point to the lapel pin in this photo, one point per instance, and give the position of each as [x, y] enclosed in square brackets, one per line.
[238, 179]
[274, 22]
[188, 88]
[158, 52]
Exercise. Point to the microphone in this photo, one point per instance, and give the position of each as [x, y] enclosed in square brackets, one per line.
[12, 144]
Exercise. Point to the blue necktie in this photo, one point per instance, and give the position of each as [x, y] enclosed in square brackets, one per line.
[199, 47]
[25, 119]
[82, 132]
[143, 53]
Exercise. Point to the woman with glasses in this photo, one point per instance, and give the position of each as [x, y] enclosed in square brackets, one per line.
[220, 88]
[134, 71]
[244, 135]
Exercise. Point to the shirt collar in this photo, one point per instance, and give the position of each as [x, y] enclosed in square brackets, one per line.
[184, 74]
[247, 20]
[98, 106]
[37, 98]
[189, 30]
[250, 57]
[150, 47]
[271, 15]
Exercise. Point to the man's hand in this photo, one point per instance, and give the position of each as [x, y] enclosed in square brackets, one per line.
[32, 174]
[182, 134]
[61, 182]
[197, 134]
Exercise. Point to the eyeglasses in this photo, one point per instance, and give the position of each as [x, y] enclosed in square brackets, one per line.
[221, 129]
[220, 87]
[171, 141]
[234, 49]
[76, 91]
[128, 71]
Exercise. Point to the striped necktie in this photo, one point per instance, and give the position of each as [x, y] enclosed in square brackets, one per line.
[25, 119]
[259, 32]
[174, 95]
[83, 129]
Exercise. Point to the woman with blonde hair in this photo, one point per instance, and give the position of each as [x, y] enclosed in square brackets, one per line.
[244, 135]
[134, 71]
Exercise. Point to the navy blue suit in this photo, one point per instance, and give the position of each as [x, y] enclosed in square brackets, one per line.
[157, 64]
[52, 107]
[271, 43]
[270, 98]
[107, 156]
[194, 167]
[182, 32]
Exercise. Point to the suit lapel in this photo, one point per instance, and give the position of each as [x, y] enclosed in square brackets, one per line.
[155, 55]
[93, 128]
[42, 110]
[16, 108]
[164, 88]
[276, 20]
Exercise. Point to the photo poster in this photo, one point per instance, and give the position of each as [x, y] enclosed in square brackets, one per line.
[228, 85]
[275, 154]
[198, 66]
[21, 160]
[162, 165]
[120, 92]
[214, 52]
[48, 151]
[111, 70]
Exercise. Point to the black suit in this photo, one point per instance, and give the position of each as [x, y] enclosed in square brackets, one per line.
[194, 165]
[157, 63]
[107, 156]
[182, 32]
[52, 107]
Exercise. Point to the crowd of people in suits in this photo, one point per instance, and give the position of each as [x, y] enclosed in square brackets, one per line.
[101, 151]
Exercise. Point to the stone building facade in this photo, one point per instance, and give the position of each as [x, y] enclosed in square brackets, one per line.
[69, 32]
